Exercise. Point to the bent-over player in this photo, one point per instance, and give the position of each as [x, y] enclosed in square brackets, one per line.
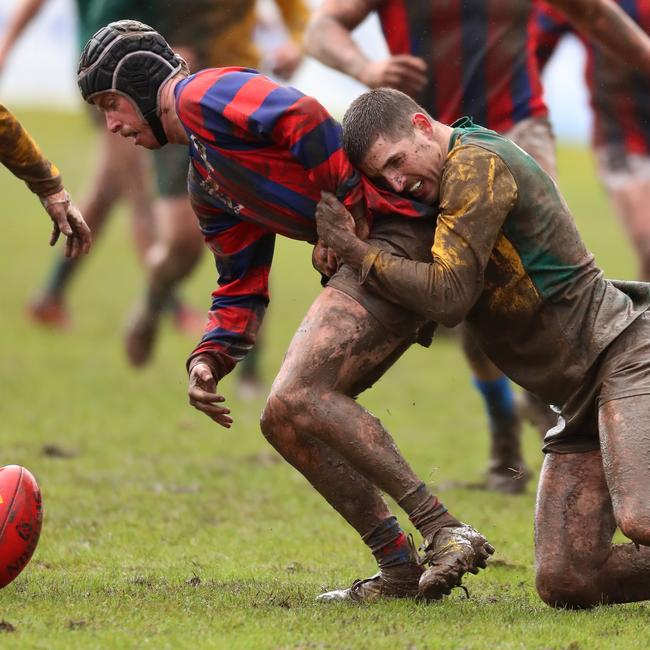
[507, 259]
[260, 155]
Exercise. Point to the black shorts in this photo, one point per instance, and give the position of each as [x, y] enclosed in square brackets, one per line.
[411, 238]
[622, 370]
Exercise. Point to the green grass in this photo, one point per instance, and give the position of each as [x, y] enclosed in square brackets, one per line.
[162, 530]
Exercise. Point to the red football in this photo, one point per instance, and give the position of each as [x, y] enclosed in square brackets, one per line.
[21, 516]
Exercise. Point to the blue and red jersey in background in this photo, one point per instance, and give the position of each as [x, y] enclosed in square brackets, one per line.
[260, 154]
[480, 54]
[619, 96]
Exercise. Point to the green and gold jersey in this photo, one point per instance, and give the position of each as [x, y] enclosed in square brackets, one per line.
[21, 155]
[508, 259]
[219, 32]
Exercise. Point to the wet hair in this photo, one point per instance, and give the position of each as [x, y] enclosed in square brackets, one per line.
[381, 111]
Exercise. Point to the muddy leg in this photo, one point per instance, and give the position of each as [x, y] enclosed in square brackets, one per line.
[338, 344]
[576, 564]
[625, 442]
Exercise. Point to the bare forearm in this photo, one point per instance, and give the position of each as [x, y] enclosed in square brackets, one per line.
[327, 40]
[604, 23]
[17, 23]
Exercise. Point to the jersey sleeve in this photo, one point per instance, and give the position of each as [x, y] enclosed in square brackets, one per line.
[295, 15]
[549, 26]
[477, 194]
[20, 154]
[243, 253]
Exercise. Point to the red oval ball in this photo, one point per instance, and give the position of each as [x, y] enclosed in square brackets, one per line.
[21, 517]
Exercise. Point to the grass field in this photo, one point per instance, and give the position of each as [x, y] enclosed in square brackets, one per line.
[162, 530]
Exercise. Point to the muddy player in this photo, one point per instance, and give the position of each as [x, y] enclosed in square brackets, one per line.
[260, 155]
[21, 155]
[508, 260]
[468, 58]
[620, 101]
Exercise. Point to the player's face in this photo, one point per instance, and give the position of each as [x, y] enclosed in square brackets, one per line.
[410, 166]
[123, 117]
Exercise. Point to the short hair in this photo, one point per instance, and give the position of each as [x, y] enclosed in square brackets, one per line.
[381, 111]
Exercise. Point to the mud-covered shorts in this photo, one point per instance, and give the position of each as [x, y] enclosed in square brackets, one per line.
[619, 168]
[622, 370]
[411, 238]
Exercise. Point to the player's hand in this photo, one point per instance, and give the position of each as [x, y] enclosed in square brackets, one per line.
[203, 395]
[402, 71]
[333, 221]
[286, 59]
[324, 259]
[67, 219]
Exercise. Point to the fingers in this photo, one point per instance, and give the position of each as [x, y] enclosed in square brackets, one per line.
[80, 228]
[203, 396]
[406, 73]
[56, 231]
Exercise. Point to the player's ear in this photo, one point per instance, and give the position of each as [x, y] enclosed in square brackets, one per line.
[422, 123]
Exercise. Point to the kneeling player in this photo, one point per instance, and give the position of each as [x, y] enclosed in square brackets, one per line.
[507, 258]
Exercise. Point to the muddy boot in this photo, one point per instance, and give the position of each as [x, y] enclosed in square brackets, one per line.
[535, 411]
[400, 581]
[381, 585]
[49, 310]
[449, 554]
[507, 471]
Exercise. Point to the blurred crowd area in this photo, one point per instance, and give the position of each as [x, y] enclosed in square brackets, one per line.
[52, 37]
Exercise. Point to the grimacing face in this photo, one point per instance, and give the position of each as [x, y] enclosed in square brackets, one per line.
[410, 165]
[123, 117]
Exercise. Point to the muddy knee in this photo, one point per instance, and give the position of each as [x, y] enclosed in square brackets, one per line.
[633, 519]
[284, 413]
[564, 586]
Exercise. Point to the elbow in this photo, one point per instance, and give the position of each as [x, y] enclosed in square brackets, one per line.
[449, 314]
[450, 318]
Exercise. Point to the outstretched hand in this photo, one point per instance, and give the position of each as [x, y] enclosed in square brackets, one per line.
[67, 219]
[203, 395]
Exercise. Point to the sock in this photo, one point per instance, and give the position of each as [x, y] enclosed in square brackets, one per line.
[425, 511]
[389, 544]
[499, 400]
[156, 299]
[60, 275]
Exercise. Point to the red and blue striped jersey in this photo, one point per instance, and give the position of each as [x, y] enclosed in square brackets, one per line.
[619, 96]
[480, 55]
[260, 154]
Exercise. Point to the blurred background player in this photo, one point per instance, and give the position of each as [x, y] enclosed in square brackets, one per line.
[620, 100]
[464, 58]
[22, 157]
[122, 172]
[169, 243]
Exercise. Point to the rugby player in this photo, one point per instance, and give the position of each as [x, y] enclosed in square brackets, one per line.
[470, 58]
[620, 101]
[22, 156]
[508, 260]
[260, 155]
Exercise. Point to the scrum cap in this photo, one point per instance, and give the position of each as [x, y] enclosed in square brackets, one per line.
[132, 59]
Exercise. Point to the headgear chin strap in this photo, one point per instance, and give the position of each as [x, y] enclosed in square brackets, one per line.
[132, 59]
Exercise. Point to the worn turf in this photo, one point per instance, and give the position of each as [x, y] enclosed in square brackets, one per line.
[163, 531]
